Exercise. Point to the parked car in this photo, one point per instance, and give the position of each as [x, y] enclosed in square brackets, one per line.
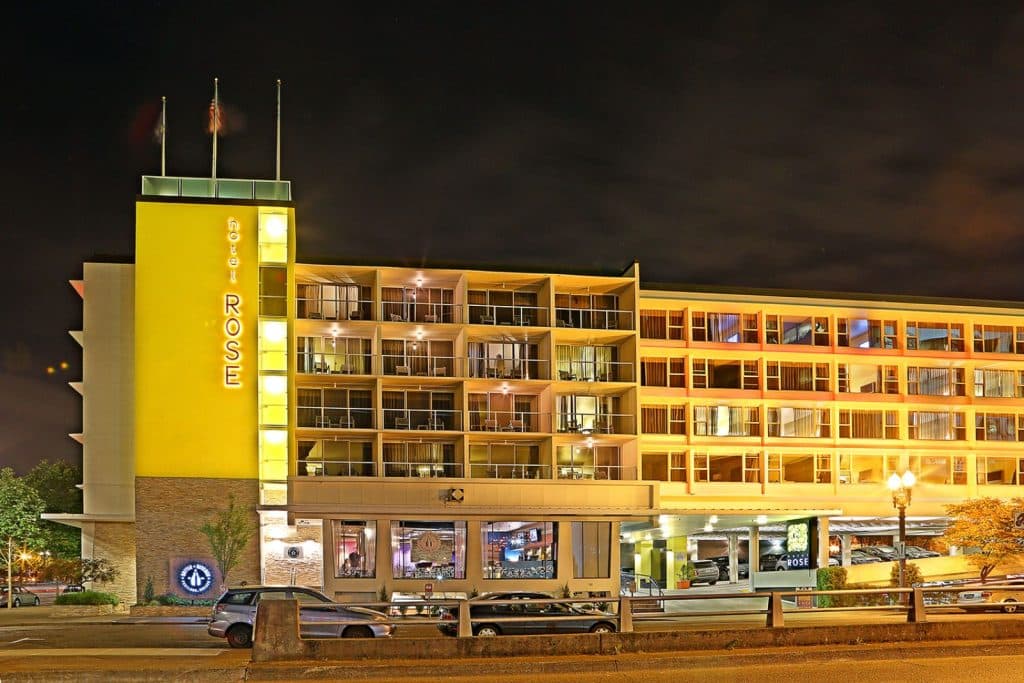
[858, 557]
[508, 604]
[768, 562]
[789, 561]
[73, 588]
[707, 572]
[917, 553]
[885, 553]
[1008, 600]
[319, 617]
[22, 596]
[742, 568]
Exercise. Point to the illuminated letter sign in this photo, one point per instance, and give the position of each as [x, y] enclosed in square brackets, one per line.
[233, 312]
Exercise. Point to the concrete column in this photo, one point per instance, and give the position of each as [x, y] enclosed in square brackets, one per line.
[845, 542]
[734, 563]
[823, 541]
[754, 553]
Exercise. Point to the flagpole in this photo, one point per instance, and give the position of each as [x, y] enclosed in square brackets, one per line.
[216, 126]
[163, 136]
[278, 166]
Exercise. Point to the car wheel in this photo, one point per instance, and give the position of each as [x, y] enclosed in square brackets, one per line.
[602, 627]
[1010, 606]
[486, 631]
[357, 632]
[240, 635]
[36, 601]
[712, 583]
[17, 602]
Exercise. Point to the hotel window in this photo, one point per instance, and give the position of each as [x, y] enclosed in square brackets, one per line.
[937, 426]
[334, 302]
[855, 378]
[419, 357]
[869, 424]
[806, 423]
[653, 324]
[726, 421]
[994, 339]
[664, 467]
[654, 372]
[325, 408]
[677, 373]
[505, 307]
[590, 311]
[677, 419]
[995, 470]
[591, 550]
[424, 459]
[334, 356]
[512, 360]
[936, 382]
[419, 304]
[654, 419]
[742, 467]
[330, 458]
[796, 376]
[273, 291]
[355, 549]
[509, 460]
[591, 414]
[999, 383]
[725, 374]
[590, 462]
[724, 327]
[802, 330]
[863, 469]
[591, 364]
[864, 333]
[926, 336]
[519, 550]
[938, 469]
[799, 468]
[998, 427]
[428, 550]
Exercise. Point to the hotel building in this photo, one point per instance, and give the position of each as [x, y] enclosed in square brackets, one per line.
[437, 429]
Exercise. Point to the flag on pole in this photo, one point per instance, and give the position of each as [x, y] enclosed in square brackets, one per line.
[217, 119]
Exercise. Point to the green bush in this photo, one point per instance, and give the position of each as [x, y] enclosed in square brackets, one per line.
[831, 579]
[913, 574]
[87, 598]
[168, 600]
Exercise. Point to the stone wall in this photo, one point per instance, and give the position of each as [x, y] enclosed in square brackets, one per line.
[114, 542]
[168, 514]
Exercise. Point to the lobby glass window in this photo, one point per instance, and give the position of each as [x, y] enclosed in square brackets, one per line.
[724, 327]
[999, 383]
[519, 550]
[799, 330]
[995, 470]
[937, 426]
[796, 376]
[726, 421]
[997, 427]
[936, 381]
[741, 467]
[428, 550]
[862, 469]
[725, 374]
[993, 339]
[858, 378]
[799, 422]
[355, 549]
[869, 424]
[929, 336]
[865, 333]
[799, 468]
[591, 550]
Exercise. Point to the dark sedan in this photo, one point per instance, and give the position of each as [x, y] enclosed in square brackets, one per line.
[538, 618]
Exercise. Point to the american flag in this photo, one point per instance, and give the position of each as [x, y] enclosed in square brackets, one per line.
[217, 119]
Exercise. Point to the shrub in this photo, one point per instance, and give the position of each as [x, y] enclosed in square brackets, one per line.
[87, 598]
[831, 579]
[912, 577]
[169, 600]
[148, 594]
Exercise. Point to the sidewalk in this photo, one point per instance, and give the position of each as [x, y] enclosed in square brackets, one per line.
[41, 616]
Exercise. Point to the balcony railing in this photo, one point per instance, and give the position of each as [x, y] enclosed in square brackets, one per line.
[337, 468]
[334, 309]
[409, 312]
[312, 363]
[430, 420]
[490, 314]
[508, 368]
[486, 470]
[587, 471]
[422, 469]
[601, 423]
[508, 421]
[221, 188]
[422, 366]
[594, 318]
[328, 417]
[595, 371]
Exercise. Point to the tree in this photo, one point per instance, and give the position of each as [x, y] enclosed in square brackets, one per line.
[228, 534]
[20, 507]
[986, 526]
[100, 571]
[57, 484]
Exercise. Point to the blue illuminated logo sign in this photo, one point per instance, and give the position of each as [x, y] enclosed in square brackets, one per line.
[195, 577]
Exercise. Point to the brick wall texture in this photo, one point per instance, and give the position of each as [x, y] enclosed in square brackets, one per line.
[168, 514]
[114, 542]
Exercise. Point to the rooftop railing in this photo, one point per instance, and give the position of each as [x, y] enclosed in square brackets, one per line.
[217, 188]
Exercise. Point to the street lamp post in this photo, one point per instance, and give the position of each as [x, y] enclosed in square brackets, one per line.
[901, 489]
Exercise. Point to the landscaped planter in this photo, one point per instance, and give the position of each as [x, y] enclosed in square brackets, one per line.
[169, 611]
[67, 611]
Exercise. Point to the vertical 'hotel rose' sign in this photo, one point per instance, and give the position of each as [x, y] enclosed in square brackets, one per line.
[233, 311]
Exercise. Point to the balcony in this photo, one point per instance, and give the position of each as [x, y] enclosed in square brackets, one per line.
[508, 368]
[422, 366]
[494, 314]
[333, 309]
[595, 371]
[411, 312]
[594, 318]
[332, 417]
[488, 470]
[423, 419]
[337, 468]
[599, 423]
[508, 421]
[311, 363]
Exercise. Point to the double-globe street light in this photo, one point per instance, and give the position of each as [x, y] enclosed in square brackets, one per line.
[901, 490]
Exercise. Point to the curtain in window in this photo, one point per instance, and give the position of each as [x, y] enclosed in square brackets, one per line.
[723, 327]
[797, 376]
[652, 324]
[654, 419]
[936, 426]
[866, 424]
[655, 372]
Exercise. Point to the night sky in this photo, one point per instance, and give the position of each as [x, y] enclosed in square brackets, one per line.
[855, 147]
